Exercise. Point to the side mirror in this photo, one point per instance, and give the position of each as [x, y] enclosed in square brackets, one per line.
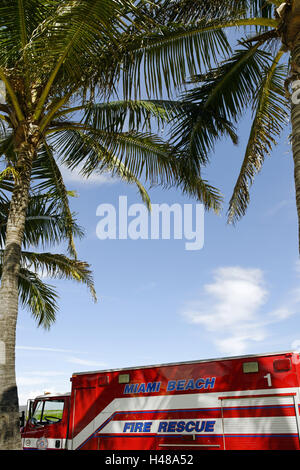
[22, 419]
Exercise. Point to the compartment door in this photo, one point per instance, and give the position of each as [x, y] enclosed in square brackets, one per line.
[260, 422]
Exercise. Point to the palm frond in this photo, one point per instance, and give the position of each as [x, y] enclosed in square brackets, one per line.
[59, 266]
[45, 223]
[71, 41]
[144, 155]
[195, 10]
[50, 181]
[166, 57]
[271, 111]
[37, 297]
[8, 172]
[7, 146]
[217, 101]
[18, 21]
[112, 116]
[229, 87]
[92, 41]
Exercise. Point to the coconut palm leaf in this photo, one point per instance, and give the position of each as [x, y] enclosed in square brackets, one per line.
[38, 297]
[144, 155]
[135, 114]
[45, 223]
[167, 56]
[44, 226]
[270, 116]
[189, 10]
[50, 181]
[218, 100]
[229, 87]
[72, 37]
[7, 146]
[59, 266]
[252, 77]
[18, 20]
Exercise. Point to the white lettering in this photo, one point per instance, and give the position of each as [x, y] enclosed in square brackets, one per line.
[141, 222]
[198, 234]
[165, 212]
[160, 218]
[106, 228]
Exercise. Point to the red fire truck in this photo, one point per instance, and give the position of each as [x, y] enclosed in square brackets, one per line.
[246, 402]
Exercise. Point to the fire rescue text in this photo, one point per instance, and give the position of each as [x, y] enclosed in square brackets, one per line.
[198, 426]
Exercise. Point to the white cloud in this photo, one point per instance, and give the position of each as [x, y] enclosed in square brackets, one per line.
[282, 313]
[74, 176]
[85, 362]
[279, 206]
[147, 286]
[24, 396]
[233, 298]
[45, 373]
[296, 345]
[24, 381]
[34, 383]
[232, 346]
[40, 348]
[233, 309]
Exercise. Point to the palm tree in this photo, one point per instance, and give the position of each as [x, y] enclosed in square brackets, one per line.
[61, 62]
[261, 74]
[45, 225]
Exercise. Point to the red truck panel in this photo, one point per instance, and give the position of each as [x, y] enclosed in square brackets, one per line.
[233, 403]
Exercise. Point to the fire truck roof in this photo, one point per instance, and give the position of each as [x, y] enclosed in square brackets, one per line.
[248, 356]
[53, 395]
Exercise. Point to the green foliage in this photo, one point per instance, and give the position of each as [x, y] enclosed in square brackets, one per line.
[251, 78]
[45, 226]
[63, 62]
[270, 112]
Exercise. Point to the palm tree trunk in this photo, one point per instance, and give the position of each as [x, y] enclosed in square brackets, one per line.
[9, 408]
[295, 119]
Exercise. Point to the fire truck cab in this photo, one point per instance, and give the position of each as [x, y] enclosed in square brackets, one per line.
[47, 419]
[245, 402]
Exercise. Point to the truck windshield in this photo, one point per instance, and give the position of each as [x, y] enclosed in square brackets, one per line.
[48, 411]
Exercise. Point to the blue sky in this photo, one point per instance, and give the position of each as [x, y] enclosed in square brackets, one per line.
[158, 302]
